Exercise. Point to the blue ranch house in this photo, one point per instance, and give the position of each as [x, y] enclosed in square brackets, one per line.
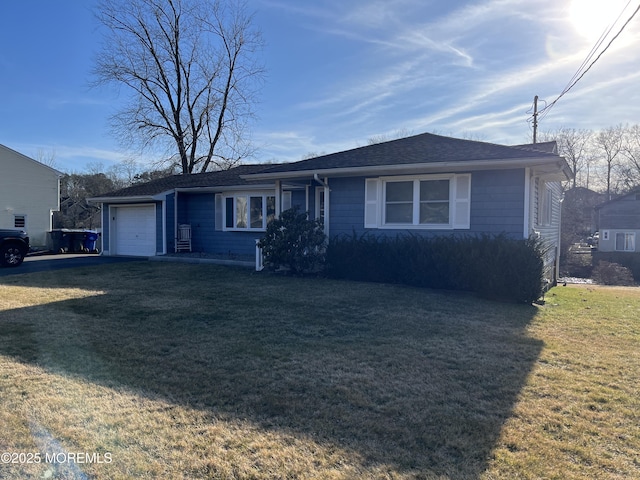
[425, 184]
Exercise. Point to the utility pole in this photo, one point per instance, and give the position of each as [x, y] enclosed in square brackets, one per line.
[535, 119]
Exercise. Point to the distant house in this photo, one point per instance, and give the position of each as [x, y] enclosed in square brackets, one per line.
[619, 224]
[29, 194]
[425, 184]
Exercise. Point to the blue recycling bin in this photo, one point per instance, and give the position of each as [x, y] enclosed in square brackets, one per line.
[90, 240]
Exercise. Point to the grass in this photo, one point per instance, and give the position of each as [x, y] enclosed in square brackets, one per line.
[184, 371]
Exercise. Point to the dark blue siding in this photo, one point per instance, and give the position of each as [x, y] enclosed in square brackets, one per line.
[170, 222]
[159, 228]
[198, 210]
[497, 202]
[346, 206]
[497, 206]
[299, 198]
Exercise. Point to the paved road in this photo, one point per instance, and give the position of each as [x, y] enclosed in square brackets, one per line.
[40, 263]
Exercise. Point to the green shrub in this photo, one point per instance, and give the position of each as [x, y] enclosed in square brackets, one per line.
[294, 242]
[507, 268]
[492, 266]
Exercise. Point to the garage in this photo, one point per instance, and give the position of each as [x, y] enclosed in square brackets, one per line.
[134, 230]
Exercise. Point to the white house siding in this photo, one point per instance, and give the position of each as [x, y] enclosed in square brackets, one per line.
[30, 189]
[607, 241]
[620, 216]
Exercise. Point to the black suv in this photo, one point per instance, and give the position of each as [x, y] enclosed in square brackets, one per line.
[14, 245]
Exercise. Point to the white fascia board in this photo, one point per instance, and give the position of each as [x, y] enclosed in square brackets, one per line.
[132, 199]
[238, 188]
[435, 167]
[228, 188]
[162, 196]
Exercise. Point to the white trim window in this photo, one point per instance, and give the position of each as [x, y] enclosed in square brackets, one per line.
[424, 202]
[545, 203]
[249, 212]
[625, 242]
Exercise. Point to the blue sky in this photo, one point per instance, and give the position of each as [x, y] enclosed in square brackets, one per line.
[340, 72]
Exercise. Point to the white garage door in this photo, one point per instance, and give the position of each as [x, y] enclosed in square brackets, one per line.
[135, 230]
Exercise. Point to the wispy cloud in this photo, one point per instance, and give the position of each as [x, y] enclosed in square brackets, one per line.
[69, 158]
[454, 67]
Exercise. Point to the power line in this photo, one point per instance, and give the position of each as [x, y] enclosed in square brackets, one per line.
[580, 73]
[595, 48]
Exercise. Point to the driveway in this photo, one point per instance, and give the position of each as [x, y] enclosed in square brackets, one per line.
[41, 263]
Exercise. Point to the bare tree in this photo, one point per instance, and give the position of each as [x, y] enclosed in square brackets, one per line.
[402, 133]
[630, 169]
[608, 146]
[46, 158]
[190, 68]
[574, 145]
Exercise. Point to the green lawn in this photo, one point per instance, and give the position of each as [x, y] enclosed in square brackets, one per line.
[156, 370]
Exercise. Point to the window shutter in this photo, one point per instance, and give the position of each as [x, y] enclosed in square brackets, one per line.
[462, 201]
[286, 201]
[371, 203]
[218, 211]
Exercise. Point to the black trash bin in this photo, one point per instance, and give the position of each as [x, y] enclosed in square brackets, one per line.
[66, 240]
[76, 240]
[58, 241]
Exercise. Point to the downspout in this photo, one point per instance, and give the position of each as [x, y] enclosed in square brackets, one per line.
[559, 245]
[317, 178]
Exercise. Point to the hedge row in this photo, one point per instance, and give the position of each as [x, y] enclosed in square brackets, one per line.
[492, 266]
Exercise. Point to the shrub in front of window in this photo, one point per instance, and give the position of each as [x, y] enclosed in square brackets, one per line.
[492, 266]
[294, 243]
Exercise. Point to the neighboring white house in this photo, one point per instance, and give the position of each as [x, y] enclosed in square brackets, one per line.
[619, 224]
[29, 194]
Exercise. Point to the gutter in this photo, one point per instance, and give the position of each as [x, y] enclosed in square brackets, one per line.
[162, 195]
[467, 165]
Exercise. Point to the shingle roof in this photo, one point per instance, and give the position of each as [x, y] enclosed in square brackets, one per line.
[418, 149]
[548, 147]
[423, 148]
[210, 179]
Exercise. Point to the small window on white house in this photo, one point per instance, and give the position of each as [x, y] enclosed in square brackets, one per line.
[545, 203]
[19, 221]
[625, 242]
